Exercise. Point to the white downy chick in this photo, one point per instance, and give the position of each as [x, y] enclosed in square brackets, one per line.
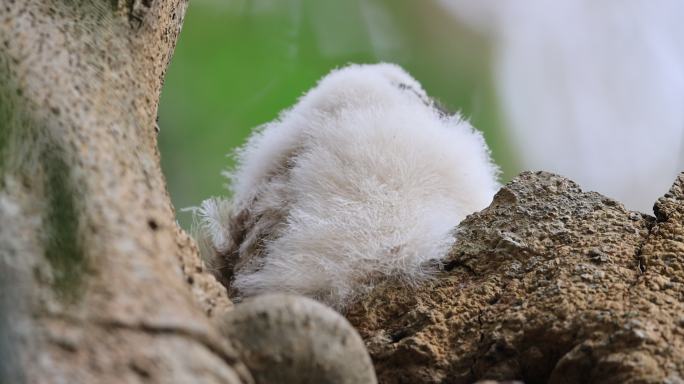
[363, 179]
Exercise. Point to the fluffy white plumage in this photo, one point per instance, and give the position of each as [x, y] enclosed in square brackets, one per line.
[363, 179]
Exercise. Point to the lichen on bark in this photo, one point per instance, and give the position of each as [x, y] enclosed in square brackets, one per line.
[63, 248]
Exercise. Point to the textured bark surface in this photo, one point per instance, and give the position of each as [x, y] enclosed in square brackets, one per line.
[548, 284]
[98, 283]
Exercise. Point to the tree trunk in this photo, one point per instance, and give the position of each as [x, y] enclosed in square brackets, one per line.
[96, 278]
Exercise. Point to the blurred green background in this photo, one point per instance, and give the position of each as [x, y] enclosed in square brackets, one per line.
[239, 63]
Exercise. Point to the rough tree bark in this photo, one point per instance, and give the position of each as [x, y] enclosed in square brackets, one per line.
[94, 272]
[547, 284]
